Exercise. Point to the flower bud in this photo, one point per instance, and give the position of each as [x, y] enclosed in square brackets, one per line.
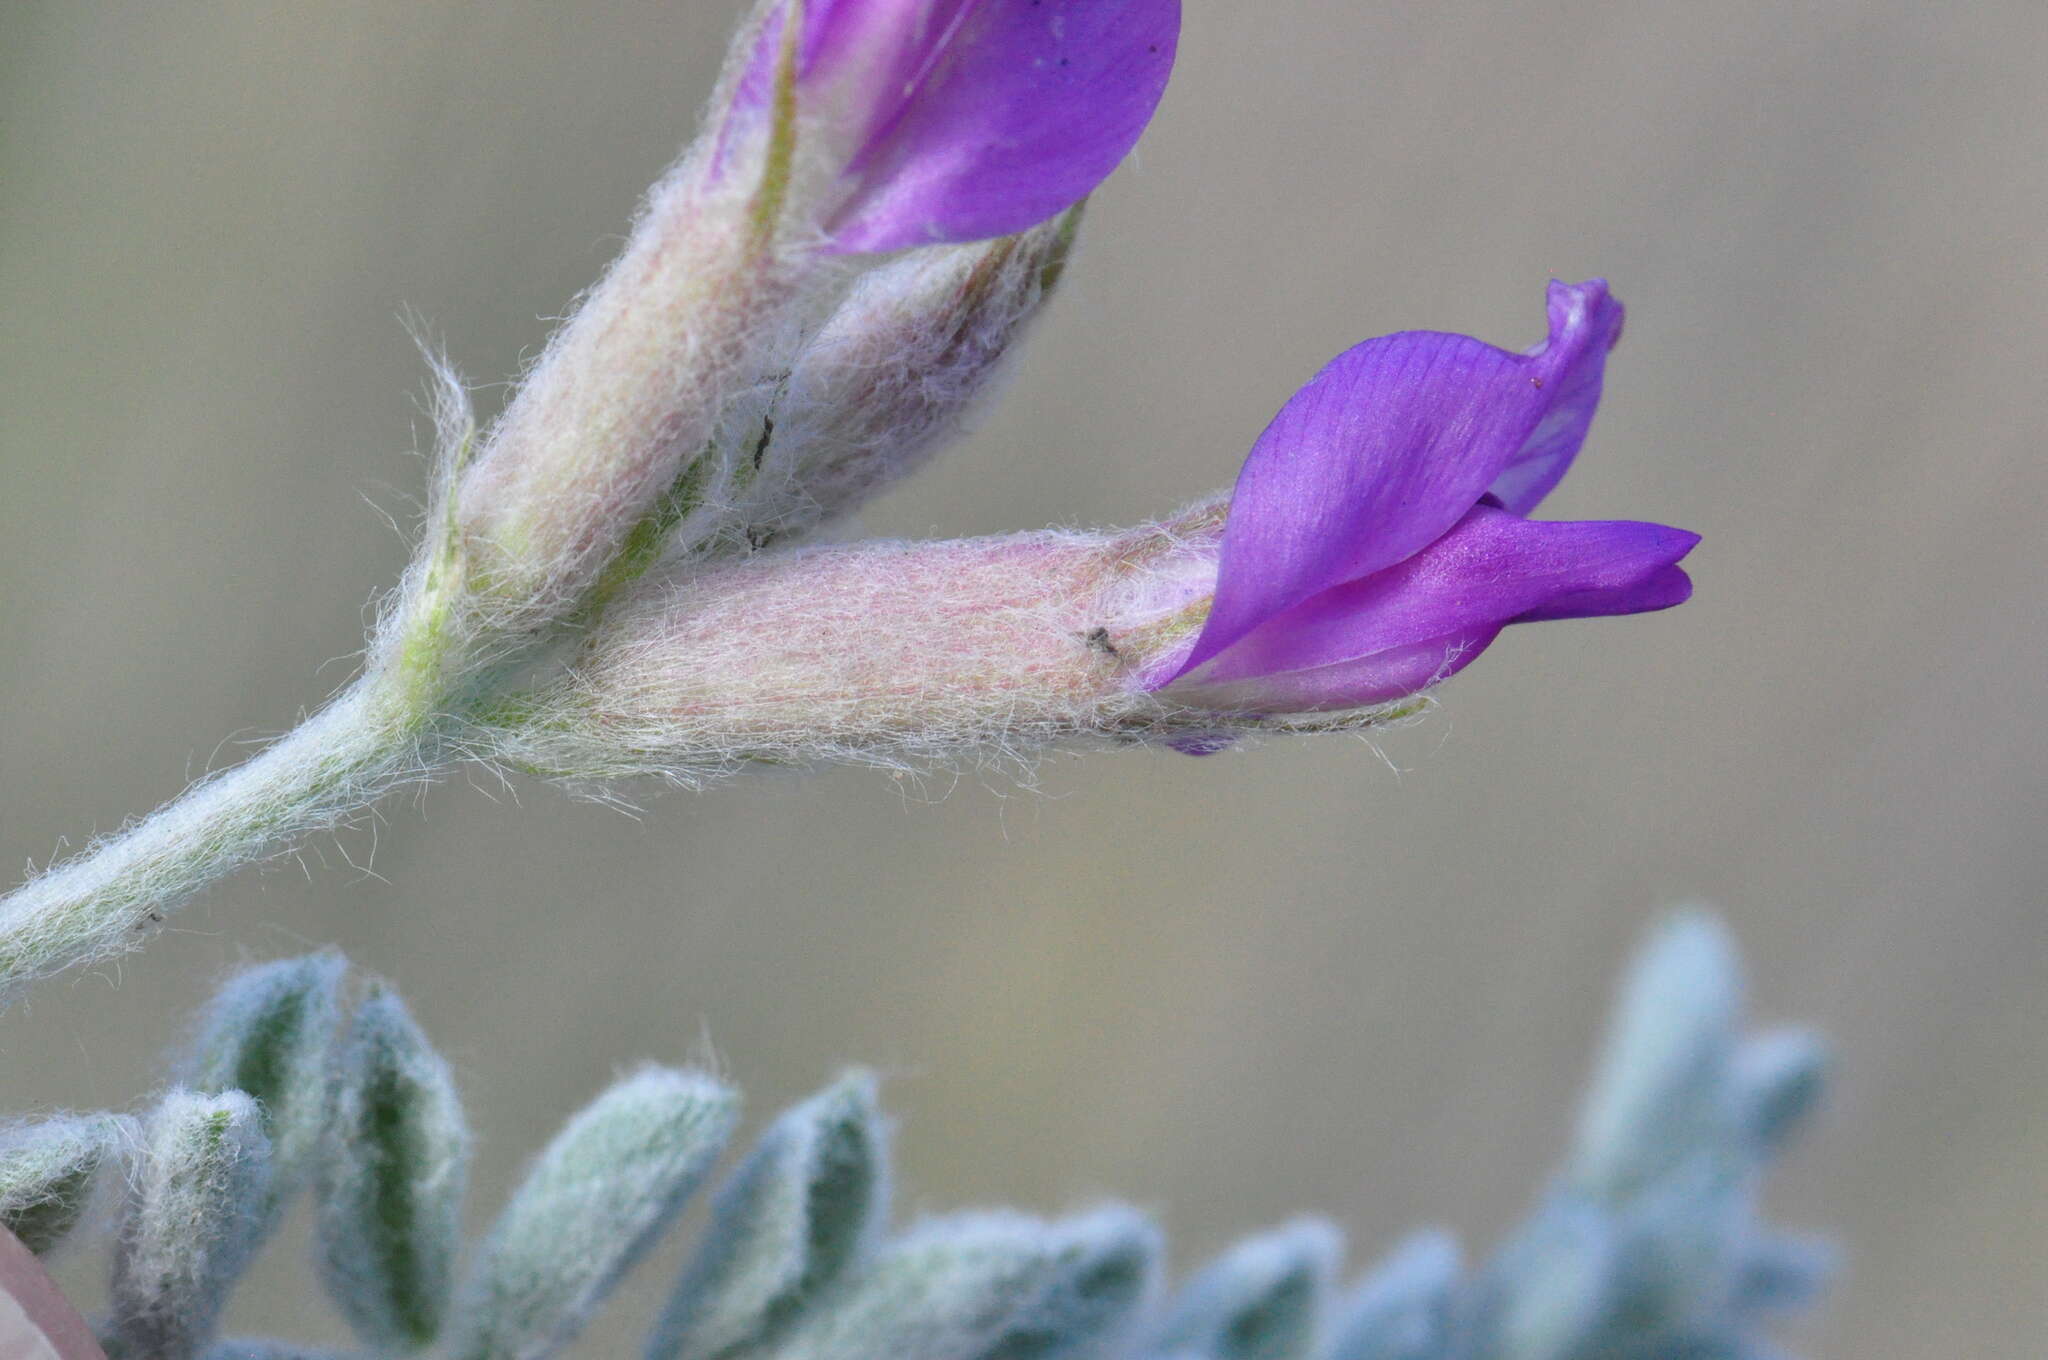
[1376, 543]
[906, 360]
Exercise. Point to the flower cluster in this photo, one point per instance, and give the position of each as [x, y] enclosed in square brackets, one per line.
[1376, 542]
[813, 301]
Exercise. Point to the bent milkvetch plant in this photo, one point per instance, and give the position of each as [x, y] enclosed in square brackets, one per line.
[606, 586]
[841, 129]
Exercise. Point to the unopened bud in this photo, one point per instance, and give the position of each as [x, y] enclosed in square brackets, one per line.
[897, 372]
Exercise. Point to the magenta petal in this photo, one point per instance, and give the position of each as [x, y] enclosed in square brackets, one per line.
[1586, 309]
[857, 64]
[1387, 448]
[1358, 682]
[1659, 590]
[1395, 631]
[984, 117]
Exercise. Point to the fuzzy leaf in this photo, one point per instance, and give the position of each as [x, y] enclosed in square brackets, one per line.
[1264, 1299]
[1679, 1245]
[269, 1032]
[1550, 1287]
[806, 1205]
[396, 1160]
[991, 1286]
[1781, 1274]
[48, 1171]
[194, 1213]
[1779, 1078]
[1105, 1269]
[1404, 1308]
[593, 1203]
[1661, 1090]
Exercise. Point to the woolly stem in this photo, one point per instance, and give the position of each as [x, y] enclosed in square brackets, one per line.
[106, 899]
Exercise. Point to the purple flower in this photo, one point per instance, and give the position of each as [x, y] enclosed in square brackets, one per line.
[1377, 539]
[959, 120]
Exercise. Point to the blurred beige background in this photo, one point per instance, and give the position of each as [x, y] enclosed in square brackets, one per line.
[1229, 989]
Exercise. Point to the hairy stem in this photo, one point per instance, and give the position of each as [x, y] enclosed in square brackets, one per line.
[105, 900]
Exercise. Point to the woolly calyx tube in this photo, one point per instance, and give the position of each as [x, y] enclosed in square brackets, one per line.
[890, 653]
